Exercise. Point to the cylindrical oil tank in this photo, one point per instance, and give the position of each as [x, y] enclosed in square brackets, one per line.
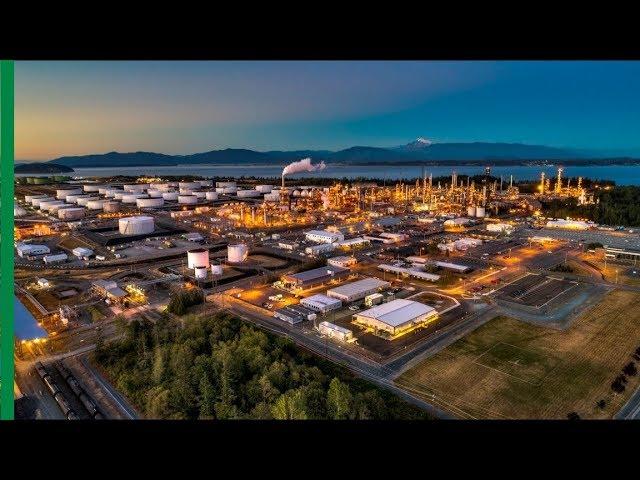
[226, 184]
[229, 189]
[272, 197]
[150, 202]
[30, 198]
[189, 185]
[200, 195]
[111, 207]
[74, 198]
[154, 193]
[163, 187]
[55, 207]
[471, 211]
[38, 200]
[216, 269]
[200, 272]
[103, 190]
[119, 194]
[264, 188]
[136, 187]
[198, 257]
[84, 200]
[91, 188]
[111, 192]
[480, 212]
[186, 191]
[132, 197]
[18, 211]
[248, 193]
[170, 196]
[46, 205]
[237, 253]
[211, 195]
[74, 213]
[138, 225]
[62, 194]
[187, 199]
[205, 183]
[95, 204]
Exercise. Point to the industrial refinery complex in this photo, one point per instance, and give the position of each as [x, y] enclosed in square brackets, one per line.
[375, 275]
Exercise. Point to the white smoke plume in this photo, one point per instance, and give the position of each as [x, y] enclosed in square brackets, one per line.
[303, 165]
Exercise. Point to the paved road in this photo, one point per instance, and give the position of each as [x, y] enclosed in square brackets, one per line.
[631, 411]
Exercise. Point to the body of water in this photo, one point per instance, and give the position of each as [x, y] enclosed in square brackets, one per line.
[622, 175]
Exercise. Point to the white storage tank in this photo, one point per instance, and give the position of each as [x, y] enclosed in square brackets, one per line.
[200, 272]
[187, 199]
[237, 253]
[111, 207]
[189, 185]
[46, 206]
[103, 190]
[211, 195]
[198, 257]
[216, 269]
[226, 184]
[248, 193]
[62, 194]
[153, 193]
[186, 191]
[55, 207]
[137, 187]
[118, 195]
[139, 225]
[170, 196]
[471, 211]
[200, 195]
[111, 192]
[18, 211]
[480, 213]
[95, 204]
[229, 189]
[74, 213]
[149, 202]
[205, 183]
[264, 188]
[36, 201]
[133, 197]
[74, 198]
[163, 187]
[30, 198]
[91, 188]
[83, 201]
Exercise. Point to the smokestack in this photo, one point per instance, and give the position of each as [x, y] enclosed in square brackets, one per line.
[283, 180]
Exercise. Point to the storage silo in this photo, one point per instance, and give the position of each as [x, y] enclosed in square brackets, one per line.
[264, 188]
[154, 193]
[198, 257]
[36, 201]
[480, 212]
[200, 195]
[187, 199]
[189, 185]
[62, 194]
[91, 188]
[211, 195]
[248, 193]
[103, 190]
[237, 253]
[111, 207]
[471, 211]
[74, 198]
[139, 225]
[47, 204]
[149, 202]
[170, 196]
[226, 184]
[137, 187]
[74, 213]
[205, 183]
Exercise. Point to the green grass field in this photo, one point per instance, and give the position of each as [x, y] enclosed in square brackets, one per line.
[510, 369]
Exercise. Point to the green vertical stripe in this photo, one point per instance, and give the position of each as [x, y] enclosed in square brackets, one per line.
[6, 240]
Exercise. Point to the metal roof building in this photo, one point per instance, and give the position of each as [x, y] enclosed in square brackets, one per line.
[357, 290]
[315, 276]
[396, 317]
[321, 303]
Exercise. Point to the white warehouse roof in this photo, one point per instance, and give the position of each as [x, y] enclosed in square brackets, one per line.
[354, 288]
[321, 301]
[398, 312]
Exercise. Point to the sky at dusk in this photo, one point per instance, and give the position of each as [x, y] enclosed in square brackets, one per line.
[75, 108]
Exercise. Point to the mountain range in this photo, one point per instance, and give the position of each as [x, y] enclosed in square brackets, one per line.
[420, 151]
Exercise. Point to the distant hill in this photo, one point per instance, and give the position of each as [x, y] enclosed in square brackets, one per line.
[420, 151]
[38, 168]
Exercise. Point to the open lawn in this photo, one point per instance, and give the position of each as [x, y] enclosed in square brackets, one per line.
[511, 369]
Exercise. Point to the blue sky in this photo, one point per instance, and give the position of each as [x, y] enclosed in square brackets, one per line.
[72, 108]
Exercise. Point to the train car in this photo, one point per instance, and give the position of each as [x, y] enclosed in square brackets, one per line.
[88, 403]
[51, 385]
[63, 403]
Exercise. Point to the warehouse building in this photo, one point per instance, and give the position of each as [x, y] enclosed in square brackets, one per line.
[342, 261]
[396, 317]
[314, 277]
[354, 291]
[29, 250]
[294, 314]
[320, 248]
[353, 243]
[413, 272]
[321, 303]
[622, 254]
[336, 332]
[324, 236]
[454, 267]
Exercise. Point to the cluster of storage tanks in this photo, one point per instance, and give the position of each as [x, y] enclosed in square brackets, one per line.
[198, 260]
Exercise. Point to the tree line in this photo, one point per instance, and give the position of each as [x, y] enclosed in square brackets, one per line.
[219, 367]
